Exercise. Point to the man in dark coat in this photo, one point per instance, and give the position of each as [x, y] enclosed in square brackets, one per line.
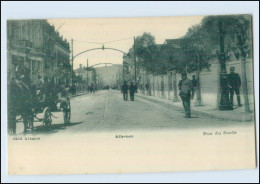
[125, 91]
[186, 93]
[132, 89]
[235, 84]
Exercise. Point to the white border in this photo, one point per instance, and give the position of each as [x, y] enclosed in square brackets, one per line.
[26, 9]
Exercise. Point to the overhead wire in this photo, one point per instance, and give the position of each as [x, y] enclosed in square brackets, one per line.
[102, 43]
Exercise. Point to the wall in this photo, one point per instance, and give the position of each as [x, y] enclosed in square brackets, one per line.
[209, 83]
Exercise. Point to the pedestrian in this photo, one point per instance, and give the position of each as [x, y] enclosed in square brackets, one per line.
[186, 93]
[40, 82]
[132, 89]
[195, 84]
[92, 88]
[125, 91]
[235, 84]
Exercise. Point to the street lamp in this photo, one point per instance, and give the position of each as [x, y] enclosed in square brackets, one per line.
[224, 103]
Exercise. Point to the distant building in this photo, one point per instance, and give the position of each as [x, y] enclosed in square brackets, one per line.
[100, 76]
[109, 75]
[175, 42]
[88, 76]
[36, 45]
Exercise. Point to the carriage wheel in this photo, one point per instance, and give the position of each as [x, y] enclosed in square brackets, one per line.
[47, 116]
[67, 114]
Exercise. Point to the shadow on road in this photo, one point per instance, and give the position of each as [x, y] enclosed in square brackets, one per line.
[54, 128]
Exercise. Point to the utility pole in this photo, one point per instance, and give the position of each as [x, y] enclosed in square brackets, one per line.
[87, 72]
[199, 99]
[135, 62]
[72, 58]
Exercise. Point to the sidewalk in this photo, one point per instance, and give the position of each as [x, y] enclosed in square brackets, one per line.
[79, 94]
[237, 114]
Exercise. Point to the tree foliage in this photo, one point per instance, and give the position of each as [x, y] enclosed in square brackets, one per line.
[146, 51]
[197, 47]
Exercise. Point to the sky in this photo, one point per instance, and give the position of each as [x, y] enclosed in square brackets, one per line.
[102, 30]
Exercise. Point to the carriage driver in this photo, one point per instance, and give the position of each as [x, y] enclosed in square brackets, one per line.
[20, 77]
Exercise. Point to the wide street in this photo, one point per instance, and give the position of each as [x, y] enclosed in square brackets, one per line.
[106, 111]
[155, 137]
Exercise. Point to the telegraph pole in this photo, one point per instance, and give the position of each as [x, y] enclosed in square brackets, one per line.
[199, 99]
[72, 58]
[135, 62]
[87, 72]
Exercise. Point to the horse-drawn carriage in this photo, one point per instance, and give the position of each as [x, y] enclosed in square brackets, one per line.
[25, 103]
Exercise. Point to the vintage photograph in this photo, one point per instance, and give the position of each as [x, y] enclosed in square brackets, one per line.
[124, 95]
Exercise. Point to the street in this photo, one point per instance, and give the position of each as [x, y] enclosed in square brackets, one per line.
[106, 111]
[194, 109]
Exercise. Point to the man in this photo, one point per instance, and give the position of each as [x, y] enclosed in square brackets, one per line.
[235, 84]
[64, 96]
[194, 81]
[125, 91]
[20, 78]
[196, 89]
[92, 88]
[186, 93]
[132, 91]
[40, 82]
[26, 73]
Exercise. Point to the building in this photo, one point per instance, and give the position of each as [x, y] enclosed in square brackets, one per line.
[36, 45]
[175, 42]
[109, 75]
[86, 75]
[100, 76]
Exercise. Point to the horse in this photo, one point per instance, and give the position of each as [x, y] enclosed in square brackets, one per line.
[20, 102]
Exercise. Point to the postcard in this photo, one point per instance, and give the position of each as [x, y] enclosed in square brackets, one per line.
[130, 95]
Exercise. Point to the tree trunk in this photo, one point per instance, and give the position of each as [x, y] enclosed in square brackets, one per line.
[169, 85]
[162, 87]
[158, 86]
[244, 85]
[175, 98]
[153, 86]
[199, 99]
[218, 86]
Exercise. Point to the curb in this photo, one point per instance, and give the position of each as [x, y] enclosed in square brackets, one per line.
[78, 95]
[248, 117]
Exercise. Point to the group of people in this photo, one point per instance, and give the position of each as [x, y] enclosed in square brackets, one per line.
[187, 89]
[125, 88]
[44, 92]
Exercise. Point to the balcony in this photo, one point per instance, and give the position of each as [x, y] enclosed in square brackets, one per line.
[22, 44]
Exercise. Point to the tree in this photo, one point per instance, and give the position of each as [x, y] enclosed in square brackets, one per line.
[237, 31]
[146, 52]
[197, 49]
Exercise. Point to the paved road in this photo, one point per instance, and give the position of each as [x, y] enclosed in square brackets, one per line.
[106, 111]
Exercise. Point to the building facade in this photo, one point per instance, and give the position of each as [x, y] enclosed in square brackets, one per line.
[85, 75]
[35, 45]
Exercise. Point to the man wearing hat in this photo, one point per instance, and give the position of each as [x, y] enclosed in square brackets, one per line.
[40, 82]
[132, 90]
[186, 93]
[125, 90]
[235, 84]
